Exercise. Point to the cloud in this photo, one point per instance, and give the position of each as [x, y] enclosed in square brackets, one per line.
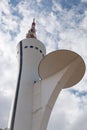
[57, 28]
[5, 102]
[81, 121]
[84, 0]
[68, 112]
[38, 1]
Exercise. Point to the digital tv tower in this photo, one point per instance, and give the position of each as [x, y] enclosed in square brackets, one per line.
[41, 78]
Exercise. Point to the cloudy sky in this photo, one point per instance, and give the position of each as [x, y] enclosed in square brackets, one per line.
[61, 24]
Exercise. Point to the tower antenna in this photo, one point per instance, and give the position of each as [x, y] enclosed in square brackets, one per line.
[32, 32]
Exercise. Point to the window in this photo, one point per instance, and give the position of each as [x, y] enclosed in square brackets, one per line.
[36, 48]
[40, 51]
[31, 46]
[34, 81]
[26, 47]
[17, 52]
[43, 55]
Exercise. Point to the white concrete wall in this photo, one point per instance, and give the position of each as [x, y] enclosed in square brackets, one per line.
[34, 101]
[45, 93]
[32, 53]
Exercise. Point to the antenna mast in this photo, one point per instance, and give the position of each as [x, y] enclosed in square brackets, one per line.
[32, 32]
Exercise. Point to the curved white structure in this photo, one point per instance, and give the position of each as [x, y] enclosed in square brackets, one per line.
[59, 69]
[30, 52]
[60, 59]
[34, 98]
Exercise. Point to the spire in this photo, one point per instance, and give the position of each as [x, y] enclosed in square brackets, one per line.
[32, 32]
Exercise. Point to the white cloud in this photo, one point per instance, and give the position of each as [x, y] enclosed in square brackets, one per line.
[56, 6]
[84, 0]
[38, 1]
[67, 112]
[84, 22]
[57, 29]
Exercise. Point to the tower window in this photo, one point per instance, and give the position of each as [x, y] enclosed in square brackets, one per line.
[17, 52]
[31, 46]
[35, 81]
[40, 51]
[26, 47]
[36, 48]
[43, 55]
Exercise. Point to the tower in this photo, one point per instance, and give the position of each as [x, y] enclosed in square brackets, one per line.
[40, 80]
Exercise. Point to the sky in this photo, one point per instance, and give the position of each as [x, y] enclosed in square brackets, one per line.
[60, 24]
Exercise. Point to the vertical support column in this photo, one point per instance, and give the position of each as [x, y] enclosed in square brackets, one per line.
[45, 93]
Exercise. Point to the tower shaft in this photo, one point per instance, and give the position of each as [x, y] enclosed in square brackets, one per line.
[30, 52]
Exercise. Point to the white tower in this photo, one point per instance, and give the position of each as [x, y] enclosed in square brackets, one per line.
[35, 98]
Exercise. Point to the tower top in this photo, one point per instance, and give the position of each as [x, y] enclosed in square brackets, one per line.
[32, 32]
